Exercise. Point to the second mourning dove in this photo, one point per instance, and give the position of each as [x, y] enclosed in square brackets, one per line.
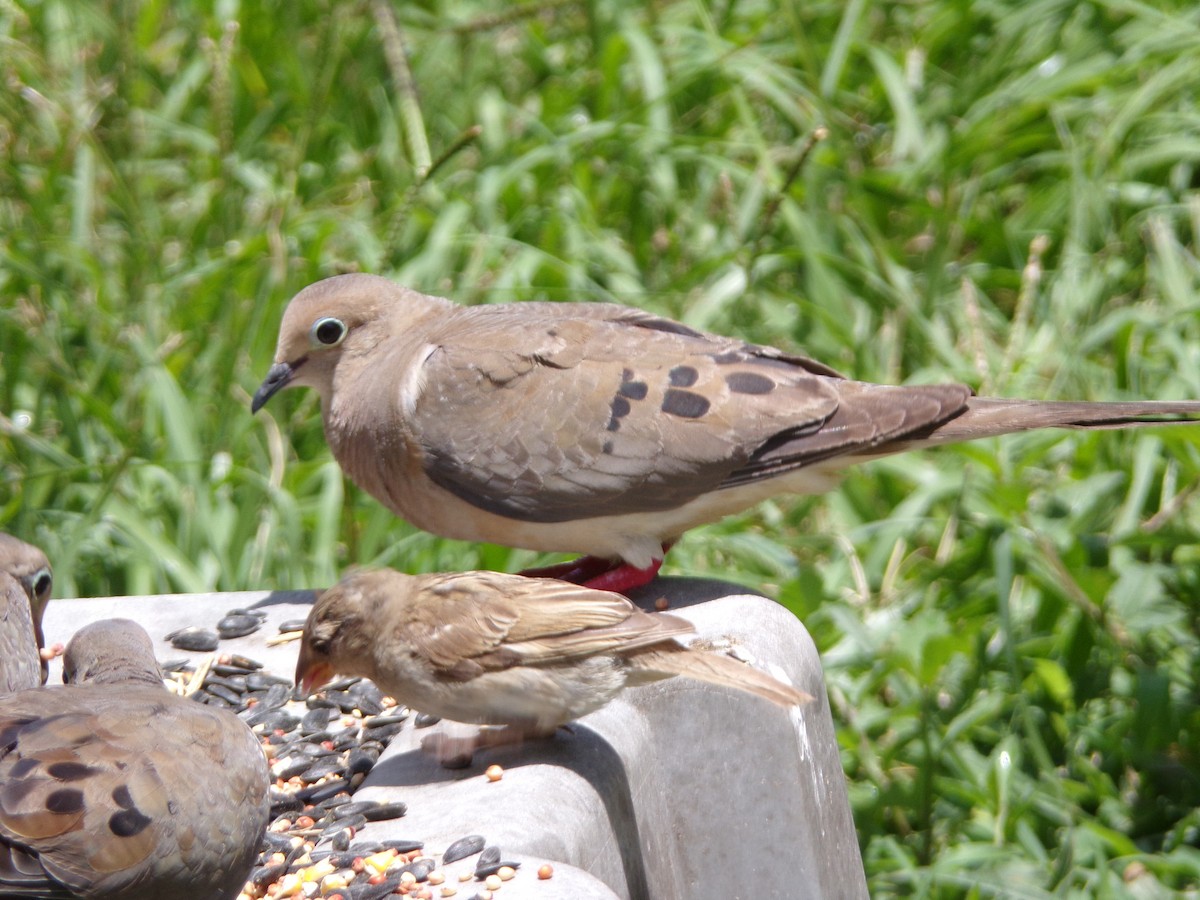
[25, 584]
[494, 649]
[595, 428]
[112, 787]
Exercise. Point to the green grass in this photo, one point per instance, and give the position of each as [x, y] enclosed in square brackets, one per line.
[1006, 195]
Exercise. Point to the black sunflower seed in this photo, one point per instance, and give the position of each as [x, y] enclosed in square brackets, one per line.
[316, 720]
[193, 638]
[237, 626]
[383, 811]
[328, 765]
[463, 847]
[361, 761]
[318, 792]
[482, 872]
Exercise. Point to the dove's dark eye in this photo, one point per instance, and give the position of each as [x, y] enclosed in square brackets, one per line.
[328, 332]
[42, 583]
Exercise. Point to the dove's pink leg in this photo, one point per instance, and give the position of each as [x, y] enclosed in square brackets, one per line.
[623, 578]
[601, 574]
[576, 571]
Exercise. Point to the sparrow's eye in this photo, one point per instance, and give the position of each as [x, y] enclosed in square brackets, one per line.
[320, 644]
[327, 332]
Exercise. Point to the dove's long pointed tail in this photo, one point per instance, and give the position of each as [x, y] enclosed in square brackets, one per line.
[992, 416]
[714, 668]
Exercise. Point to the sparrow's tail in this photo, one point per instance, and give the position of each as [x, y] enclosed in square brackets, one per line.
[991, 416]
[664, 661]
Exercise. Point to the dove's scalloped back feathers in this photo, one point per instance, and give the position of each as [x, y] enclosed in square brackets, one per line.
[20, 665]
[122, 790]
[636, 418]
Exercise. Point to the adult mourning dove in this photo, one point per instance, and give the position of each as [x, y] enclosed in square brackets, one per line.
[596, 428]
[494, 649]
[27, 567]
[112, 787]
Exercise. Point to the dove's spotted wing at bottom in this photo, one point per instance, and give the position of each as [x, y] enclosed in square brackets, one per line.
[118, 789]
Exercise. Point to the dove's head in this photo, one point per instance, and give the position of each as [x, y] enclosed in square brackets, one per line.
[112, 651]
[29, 566]
[339, 632]
[341, 317]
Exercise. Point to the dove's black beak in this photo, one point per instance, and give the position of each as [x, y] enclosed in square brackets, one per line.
[278, 377]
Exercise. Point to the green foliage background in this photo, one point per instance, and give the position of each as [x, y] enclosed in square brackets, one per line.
[1006, 196]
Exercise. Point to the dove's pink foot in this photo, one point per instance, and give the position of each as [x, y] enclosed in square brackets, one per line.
[52, 652]
[623, 578]
[601, 574]
[576, 571]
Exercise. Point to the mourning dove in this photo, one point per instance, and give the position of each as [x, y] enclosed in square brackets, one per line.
[494, 649]
[596, 428]
[112, 787]
[27, 567]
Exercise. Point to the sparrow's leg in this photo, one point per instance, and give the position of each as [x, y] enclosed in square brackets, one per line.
[455, 748]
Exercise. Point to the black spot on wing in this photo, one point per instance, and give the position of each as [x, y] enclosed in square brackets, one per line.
[607, 448]
[749, 383]
[728, 357]
[69, 771]
[122, 797]
[634, 390]
[65, 801]
[128, 823]
[130, 820]
[683, 376]
[685, 404]
[620, 409]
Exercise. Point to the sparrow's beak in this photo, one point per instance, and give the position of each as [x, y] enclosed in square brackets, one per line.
[310, 676]
[278, 377]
